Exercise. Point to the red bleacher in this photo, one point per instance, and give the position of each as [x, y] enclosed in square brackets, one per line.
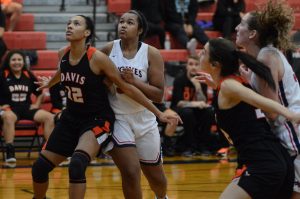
[47, 59]
[43, 73]
[26, 23]
[205, 16]
[174, 55]
[118, 6]
[25, 40]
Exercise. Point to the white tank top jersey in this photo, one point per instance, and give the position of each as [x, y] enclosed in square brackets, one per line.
[121, 103]
[289, 95]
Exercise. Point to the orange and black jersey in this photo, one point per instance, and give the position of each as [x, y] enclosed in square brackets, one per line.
[243, 125]
[17, 91]
[86, 91]
[184, 89]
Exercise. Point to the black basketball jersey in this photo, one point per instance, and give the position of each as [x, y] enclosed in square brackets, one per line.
[243, 125]
[86, 91]
[17, 91]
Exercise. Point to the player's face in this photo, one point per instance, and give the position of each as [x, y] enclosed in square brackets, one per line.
[128, 26]
[76, 29]
[16, 62]
[243, 33]
[205, 65]
[192, 66]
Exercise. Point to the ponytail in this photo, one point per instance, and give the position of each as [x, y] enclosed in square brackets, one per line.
[224, 51]
[257, 67]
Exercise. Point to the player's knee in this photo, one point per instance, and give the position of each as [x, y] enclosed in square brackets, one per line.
[41, 169]
[77, 167]
[131, 173]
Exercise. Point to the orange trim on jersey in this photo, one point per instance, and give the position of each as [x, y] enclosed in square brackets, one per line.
[6, 2]
[239, 172]
[236, 77]
[26, 73]
[106, 126]
[44, 146]
[90, 52]
[6, 73]
[55, 110]
[97, 130]
[100, 130]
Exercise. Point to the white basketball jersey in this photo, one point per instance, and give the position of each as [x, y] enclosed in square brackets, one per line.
[121, 103]
[289, 95]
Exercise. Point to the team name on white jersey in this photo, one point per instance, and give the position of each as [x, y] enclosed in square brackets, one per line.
[135, 71]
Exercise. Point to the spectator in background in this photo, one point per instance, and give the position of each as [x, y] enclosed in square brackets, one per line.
[3, 47]
[13, 9]
[16, 87]
[227, 16]
[152, 9]
[189, 100]
[180, 21]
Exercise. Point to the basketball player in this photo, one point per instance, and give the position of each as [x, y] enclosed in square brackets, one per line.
[136, 141]
[88, 118]
[16, 87]
[267, 168]
[263, 34]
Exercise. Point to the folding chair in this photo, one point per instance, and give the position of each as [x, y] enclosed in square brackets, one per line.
[25, 128]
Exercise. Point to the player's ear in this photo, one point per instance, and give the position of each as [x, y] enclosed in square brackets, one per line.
[87, 33]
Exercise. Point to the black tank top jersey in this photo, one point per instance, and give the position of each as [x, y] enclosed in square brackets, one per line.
[243, 125]
[17, 91]
[86, 92]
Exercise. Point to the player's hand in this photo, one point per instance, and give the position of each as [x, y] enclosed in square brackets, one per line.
[43, 82]
[206, 78]
[199, 104]
[33, 106]
[127, 75]
[295, 118]
[171, 118]
[245, 72]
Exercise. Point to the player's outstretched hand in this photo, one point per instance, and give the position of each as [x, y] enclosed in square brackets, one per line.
[43, 82]
[170, 117]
